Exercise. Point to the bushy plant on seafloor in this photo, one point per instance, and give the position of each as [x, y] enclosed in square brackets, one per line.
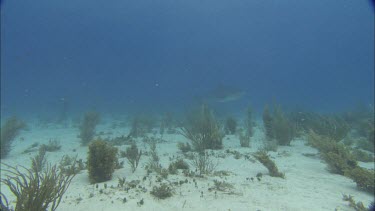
[340, 161]
[178, 164]
[184, 147]
[162, 192]
[364, 178]
[203, 130]
[362, 155]
[70, 165]
[332, 126]
[244, 140]
[267, 122]
[101, 161]
[167, 123]
[360, 119]
[141, 124]
[133, 155]
[9, 131]
[245, 136]
[203, 163]
[338, 157]
[222, 186]
[249, 122]
[39, 190]
[335, 127]
[278, 126]
[87, 127]
[264, 158]
[283, 128]
[368, 141]
[358, 206]
[230, 125]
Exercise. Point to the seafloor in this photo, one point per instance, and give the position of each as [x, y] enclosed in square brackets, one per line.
[308, 185]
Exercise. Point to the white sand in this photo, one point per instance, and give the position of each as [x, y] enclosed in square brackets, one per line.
[308, 184]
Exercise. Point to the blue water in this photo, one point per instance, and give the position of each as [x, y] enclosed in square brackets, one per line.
[121, 56]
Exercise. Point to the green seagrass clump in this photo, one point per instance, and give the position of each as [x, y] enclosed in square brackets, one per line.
[203, 130]
[184, 147]
[333, 126]
[142, 124]
[249, 122]
[337, 156]
[362, 155]
[87, 127]
[101, 161]
[162, 192]
[203, 163]
[264, 158]
[222, 186]
[178, 164]
[341, 161]
[358, 206]
[278, 126]
[230, 125]
[71, 165]
[244, 140]
[9, 130]
[364, 178]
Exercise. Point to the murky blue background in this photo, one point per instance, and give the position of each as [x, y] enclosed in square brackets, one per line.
[120, 55]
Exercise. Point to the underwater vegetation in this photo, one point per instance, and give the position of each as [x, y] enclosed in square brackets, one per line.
[87, 127]
[200, 154]
[120, 140]
[249, 124]
[341, 161]
[278, 126]
[361, 120]
[153, 163]
[245, 136]
[167, 123]
[203, 163]
[365, 128]
[141, 124]
[70, 165]
[364, 178]
[358, 206]
[133, 155]
[36, 188]
[267, 122]
[52, 146]
[101, 161]
[362, 155]
[38, 163]
[230, 125]
[265, 159]
[162, 192]
[222, 186]
[203, 130]
[332, 126]
[178, 164]
[9, 132]
[244, 140]
[336, 155]
[184, 147]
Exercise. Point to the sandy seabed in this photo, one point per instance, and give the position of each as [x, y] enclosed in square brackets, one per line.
[308, 184]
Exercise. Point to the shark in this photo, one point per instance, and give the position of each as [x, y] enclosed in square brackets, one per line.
[224, 93]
